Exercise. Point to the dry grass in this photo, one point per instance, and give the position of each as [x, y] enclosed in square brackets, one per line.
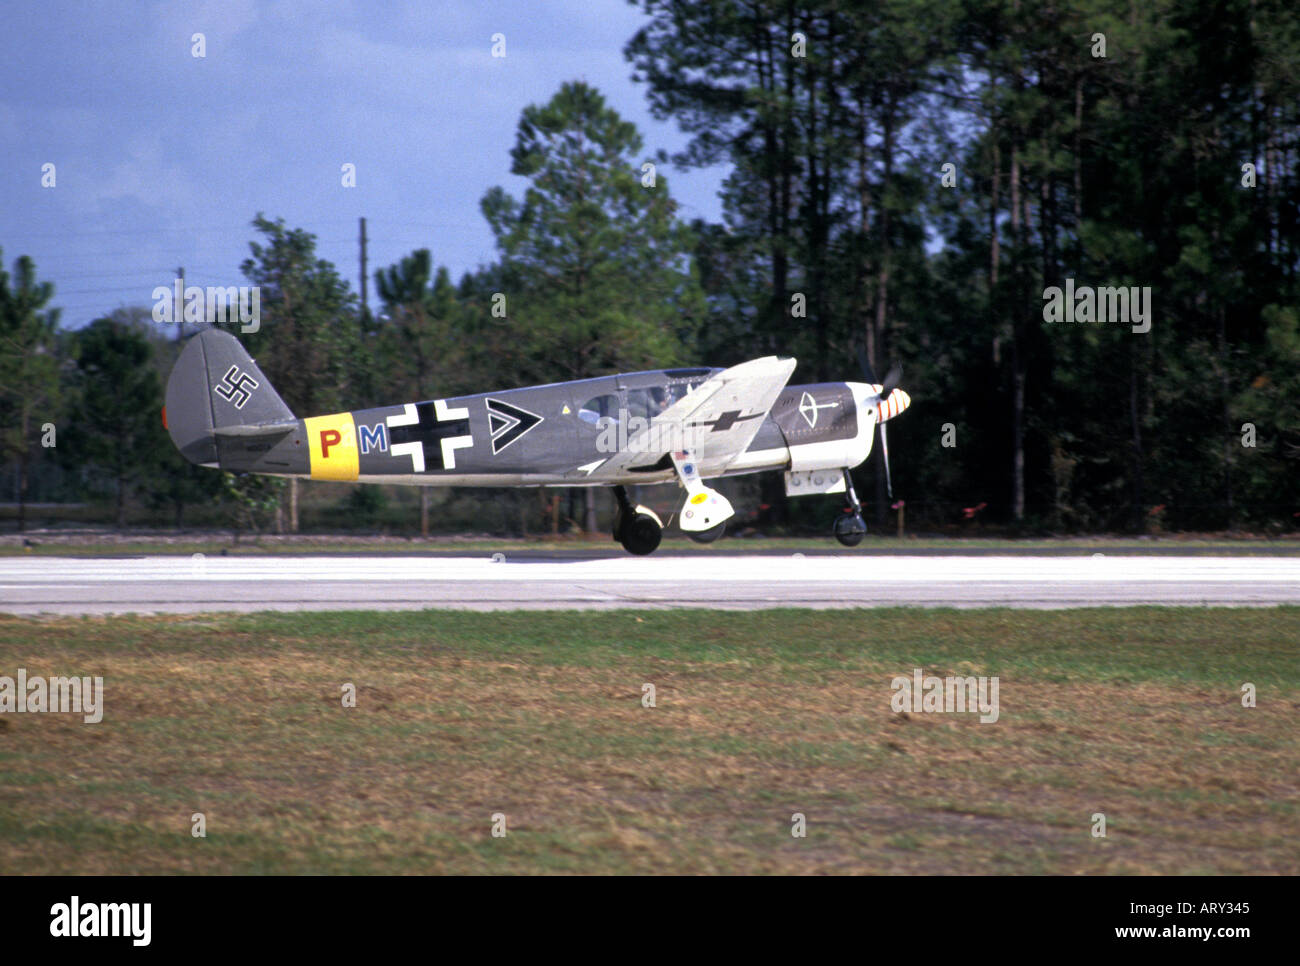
[1133, 713]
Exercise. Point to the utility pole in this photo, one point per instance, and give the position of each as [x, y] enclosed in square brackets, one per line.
[365, 306]
[180, 309]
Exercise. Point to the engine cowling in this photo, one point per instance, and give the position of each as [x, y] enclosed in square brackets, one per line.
[847, 449]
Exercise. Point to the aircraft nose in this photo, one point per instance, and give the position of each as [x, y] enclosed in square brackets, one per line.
[893, 404]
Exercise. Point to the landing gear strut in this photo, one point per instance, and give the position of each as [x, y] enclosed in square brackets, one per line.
[850, 528]
[635, 528]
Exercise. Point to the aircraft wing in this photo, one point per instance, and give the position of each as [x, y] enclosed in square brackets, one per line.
[716, 422]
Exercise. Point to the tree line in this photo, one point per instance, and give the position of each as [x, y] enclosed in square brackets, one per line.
[919, 181]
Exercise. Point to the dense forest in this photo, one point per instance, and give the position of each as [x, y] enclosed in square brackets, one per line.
[1073, 223]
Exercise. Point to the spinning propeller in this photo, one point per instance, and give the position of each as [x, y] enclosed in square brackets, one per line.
[892, 379]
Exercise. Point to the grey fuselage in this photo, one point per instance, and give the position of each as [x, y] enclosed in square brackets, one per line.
[562, 434]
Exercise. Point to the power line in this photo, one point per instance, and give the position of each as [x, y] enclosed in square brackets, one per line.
[137, 232]
[103, 291]
[124, 274]
[186, 229]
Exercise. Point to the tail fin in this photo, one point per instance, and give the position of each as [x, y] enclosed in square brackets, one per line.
[216, 389]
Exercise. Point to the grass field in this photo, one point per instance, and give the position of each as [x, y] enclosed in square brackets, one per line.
[1135, 713]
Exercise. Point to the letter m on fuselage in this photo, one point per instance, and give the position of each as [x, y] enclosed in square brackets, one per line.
[372, 437]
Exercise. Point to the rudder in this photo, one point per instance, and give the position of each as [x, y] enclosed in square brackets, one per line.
[215, 386]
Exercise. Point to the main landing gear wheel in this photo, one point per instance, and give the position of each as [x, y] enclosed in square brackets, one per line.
[849, 527]
[709, 535]
[639, 533]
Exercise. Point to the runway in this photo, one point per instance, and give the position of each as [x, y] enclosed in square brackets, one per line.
[75, 586]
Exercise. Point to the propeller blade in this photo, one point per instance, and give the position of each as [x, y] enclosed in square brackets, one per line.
[884, 449]
[867, 372]
[892, 379]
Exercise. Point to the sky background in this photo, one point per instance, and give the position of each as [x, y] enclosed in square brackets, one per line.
[163, 159]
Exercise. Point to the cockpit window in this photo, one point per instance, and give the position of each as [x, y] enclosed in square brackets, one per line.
[598, 409]
[641, 403]
[649, 403]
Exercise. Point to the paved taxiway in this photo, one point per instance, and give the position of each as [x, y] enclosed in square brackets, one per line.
[64, 585]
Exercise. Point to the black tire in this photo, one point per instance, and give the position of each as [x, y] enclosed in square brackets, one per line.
[640, 535]
[850, 529]
[709, 535]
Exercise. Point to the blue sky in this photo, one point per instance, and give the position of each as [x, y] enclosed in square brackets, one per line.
[162, 159]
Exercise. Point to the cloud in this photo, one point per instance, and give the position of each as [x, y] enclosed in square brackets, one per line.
[220, 21]
[150, 175]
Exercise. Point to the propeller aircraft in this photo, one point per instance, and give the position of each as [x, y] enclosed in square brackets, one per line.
[684, 425]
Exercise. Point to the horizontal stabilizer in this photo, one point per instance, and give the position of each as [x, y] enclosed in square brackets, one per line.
[258, 429]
